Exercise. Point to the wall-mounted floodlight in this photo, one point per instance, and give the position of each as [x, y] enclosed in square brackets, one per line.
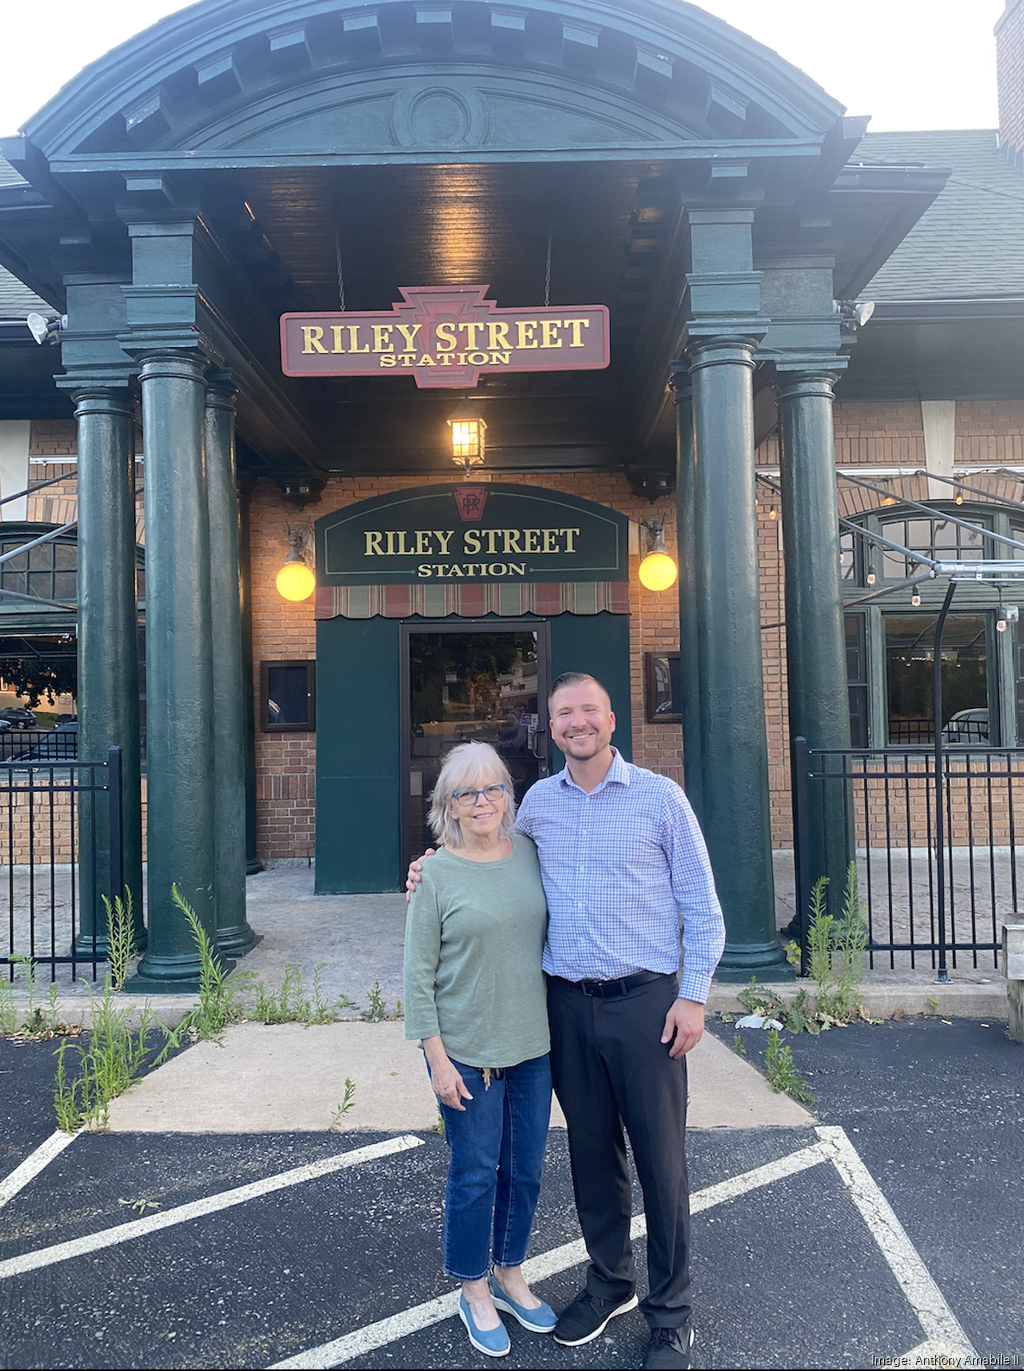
[46, 329]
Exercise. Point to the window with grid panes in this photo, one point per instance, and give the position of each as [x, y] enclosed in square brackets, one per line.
[46, 572]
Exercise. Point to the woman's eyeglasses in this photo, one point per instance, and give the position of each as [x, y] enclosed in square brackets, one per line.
[467, 798]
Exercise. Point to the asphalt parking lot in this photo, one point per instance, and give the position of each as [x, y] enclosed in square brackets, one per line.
[143, 1250]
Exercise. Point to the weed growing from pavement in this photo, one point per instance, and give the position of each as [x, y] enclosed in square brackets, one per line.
[290, 1005]
[29, 1018]
[838, 995]
[121, 937]
[761, 1000]
[219, 988]
[113, 1059]
[346, 1104]
[140, 1206]
[377, 1010]
[781, 1072]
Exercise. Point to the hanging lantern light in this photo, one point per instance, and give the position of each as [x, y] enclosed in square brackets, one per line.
[658, 570]
[468, 436]
[295, 580]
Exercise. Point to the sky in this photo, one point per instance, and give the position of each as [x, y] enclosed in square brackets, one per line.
[910, 64]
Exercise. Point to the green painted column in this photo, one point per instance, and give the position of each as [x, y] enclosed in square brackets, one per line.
[815, 637]
[734, 748]
[246, 481]
[686, 534]
[234, 936]
[179, 666]
[108, 667]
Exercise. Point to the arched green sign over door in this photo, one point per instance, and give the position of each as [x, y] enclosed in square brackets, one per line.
[496, 589]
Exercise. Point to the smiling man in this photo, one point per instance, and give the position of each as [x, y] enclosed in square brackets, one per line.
[624, 868]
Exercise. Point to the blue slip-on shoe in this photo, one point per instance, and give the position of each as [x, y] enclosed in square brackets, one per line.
[540, 1320]
[493, 1342]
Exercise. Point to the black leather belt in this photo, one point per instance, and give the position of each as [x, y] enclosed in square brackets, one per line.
[622, 986]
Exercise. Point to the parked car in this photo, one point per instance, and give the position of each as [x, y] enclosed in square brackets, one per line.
[5, 725]
[66, 723]
[18, 718]
[967, 726]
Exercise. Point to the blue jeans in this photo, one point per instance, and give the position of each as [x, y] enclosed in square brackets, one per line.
[497, 1153]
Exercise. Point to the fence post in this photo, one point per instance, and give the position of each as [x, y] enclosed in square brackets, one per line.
[801, 846]
[116, 825]
[1013, 970]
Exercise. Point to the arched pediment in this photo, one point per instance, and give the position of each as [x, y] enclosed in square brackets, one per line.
[438, 108]
[334, 76]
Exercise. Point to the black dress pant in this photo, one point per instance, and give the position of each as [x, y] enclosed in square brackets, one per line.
[609, 1069]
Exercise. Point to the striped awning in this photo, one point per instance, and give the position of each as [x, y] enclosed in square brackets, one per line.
[472, 601]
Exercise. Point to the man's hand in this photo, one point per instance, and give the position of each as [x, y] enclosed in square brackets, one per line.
[415, 873]
[684, 1022]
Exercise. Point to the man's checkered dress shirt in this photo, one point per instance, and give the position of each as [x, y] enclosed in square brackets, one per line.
[623, 867]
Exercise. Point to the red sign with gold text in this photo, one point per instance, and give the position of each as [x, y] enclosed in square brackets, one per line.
[445, 336]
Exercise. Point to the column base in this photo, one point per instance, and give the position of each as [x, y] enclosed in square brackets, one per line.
[237, 941]
[254, 866]
[767, 961]
[171, 975]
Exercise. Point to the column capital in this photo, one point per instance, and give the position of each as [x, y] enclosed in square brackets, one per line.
[814, 381]
[220, 389]
[186, 364]
[721, 349]
[679, 382]
[92, 398]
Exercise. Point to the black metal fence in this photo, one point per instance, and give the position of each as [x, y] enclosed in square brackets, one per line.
[60, 824]
[935, 893]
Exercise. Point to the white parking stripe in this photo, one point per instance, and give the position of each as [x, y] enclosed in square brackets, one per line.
[939, 1322]
[152, 1223]
[33, 1164]
[570, 1254]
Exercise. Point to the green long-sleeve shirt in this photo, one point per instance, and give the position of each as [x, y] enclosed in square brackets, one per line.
[473, 942]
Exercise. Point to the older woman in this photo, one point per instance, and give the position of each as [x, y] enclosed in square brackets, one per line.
[475, 997]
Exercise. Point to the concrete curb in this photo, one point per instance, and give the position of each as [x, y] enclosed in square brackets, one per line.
[959, 999]
[955, 1000]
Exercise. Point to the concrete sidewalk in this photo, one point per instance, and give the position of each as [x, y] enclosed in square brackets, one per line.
[291, 1078]
[356, 943]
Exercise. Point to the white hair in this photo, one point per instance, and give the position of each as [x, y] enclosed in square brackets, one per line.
[464, 767]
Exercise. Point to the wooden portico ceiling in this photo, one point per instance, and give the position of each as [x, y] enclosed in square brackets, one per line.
[430, 143]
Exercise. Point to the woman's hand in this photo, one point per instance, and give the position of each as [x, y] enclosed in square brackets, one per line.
[448, 1085]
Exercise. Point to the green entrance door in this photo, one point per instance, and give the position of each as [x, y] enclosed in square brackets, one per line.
[471, 683]
[366, 751]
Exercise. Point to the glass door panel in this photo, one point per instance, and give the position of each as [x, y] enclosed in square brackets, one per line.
[470, 686]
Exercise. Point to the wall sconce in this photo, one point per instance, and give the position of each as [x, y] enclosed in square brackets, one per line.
[658, 570]
[295, 580]
[468, 436]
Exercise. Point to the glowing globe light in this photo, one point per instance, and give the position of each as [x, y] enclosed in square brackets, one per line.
[295, 581]
[658, 571]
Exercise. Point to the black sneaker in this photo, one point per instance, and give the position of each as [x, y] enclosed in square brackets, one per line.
[669, 1348]
[588, 1316]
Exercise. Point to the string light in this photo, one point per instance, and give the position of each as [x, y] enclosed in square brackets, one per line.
[915, 599]
[871, 575]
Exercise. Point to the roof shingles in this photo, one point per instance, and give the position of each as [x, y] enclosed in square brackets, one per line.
[969, 244]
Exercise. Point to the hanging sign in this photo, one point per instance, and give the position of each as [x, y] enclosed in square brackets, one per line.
[471, 533]
[445, 336]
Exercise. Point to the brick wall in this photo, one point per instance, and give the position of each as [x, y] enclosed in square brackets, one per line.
[884, 434]
[1010, 79]
[286, 763]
